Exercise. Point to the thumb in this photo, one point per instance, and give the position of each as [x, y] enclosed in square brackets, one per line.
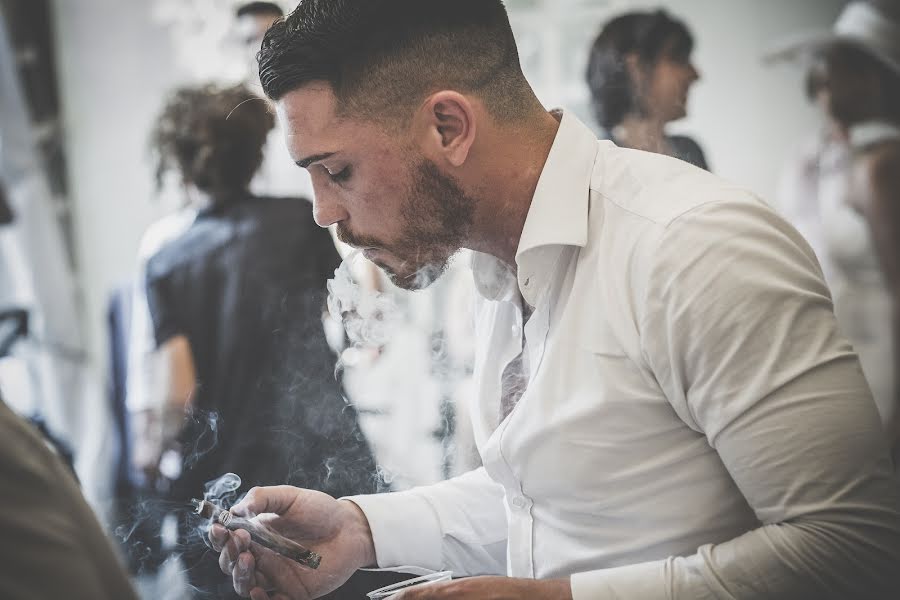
[259, 500]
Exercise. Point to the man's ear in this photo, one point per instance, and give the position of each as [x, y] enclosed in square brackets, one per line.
[448, 124]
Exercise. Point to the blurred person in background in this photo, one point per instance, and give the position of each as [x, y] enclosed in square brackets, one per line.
[843, 191]
[639, 74]
[245, 377]
[53, 545]
[252, 20]
[272, 178]
[277, 175]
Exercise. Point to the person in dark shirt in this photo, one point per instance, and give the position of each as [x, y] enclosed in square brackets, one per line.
[54, 547]
[236, 303]
[639, 74]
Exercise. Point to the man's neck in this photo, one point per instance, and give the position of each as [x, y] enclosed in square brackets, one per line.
[514, 162]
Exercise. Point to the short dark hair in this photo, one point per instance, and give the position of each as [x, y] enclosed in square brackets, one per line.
[258, 8]
[648, 35]
[213, 136]
[382, 57]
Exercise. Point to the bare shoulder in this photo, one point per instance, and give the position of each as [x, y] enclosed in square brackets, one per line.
[878, 177]
[880, 164]
[877, 173]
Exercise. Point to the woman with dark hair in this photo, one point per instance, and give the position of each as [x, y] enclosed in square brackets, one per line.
[639, 73]
[246, 379]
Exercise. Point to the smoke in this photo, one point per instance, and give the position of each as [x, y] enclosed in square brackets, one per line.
[415, 342]
[407, 367]
[204, 426]
[369, 317]
[161, 556]
[427, 275]
[222, 490]
[148, 535]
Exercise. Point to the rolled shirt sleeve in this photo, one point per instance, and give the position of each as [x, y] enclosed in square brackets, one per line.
[739, 330]
[458, 525]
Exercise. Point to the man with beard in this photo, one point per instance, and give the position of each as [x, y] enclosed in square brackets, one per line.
[664, 407]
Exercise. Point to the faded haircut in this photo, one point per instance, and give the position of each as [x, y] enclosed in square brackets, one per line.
[382, 58]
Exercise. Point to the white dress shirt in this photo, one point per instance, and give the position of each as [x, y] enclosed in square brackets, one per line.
[693, 427]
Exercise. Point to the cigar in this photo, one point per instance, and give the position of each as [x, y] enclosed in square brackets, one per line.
[258, 533]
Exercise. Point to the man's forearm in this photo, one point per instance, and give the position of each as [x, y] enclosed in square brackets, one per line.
[759, 564]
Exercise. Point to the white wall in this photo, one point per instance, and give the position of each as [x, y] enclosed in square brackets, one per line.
[749, 116]
[114, 67]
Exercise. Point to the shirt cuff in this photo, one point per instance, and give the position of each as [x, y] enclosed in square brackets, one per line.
[644, 581]
[405, 529]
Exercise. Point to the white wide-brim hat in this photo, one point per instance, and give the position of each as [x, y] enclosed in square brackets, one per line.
[860, 24]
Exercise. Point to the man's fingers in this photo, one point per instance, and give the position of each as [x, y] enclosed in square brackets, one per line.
[238, 542]
[426, 592]
[217, 535]
[226, 557]
[268, 565]
[243, 576]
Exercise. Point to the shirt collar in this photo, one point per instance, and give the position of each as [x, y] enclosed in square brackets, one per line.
[558, 216]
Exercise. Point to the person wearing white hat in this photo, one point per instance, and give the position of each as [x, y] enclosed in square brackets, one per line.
[846, 194]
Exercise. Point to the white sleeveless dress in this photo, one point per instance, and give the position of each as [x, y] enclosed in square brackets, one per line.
[851, 265]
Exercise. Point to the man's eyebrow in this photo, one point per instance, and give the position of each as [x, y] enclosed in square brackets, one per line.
[305, 162]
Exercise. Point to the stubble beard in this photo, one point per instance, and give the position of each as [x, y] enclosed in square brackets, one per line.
[437, 218]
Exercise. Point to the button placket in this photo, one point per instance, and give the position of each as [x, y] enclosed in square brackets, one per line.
[521, 530]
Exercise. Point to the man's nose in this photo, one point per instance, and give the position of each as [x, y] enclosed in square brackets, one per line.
[327, 209]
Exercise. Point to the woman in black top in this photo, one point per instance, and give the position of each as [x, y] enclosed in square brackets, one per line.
[639, 73]
[236, 303]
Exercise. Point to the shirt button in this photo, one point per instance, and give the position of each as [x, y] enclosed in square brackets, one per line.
[527, 281]
[518, 502]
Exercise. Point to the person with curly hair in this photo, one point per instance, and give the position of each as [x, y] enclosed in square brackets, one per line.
[245, 375]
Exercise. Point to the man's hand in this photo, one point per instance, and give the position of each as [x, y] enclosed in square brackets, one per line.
[336, 529]
[491, 588]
